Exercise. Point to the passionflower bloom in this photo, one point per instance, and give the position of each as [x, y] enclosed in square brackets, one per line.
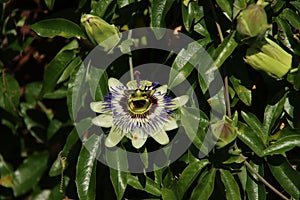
[137, 110]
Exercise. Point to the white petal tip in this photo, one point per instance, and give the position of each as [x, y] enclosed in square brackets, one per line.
[170, 125]
[103, 120]
[137, 141]
[97, 106]
[114, 137]
[161, 137]
[113, 83]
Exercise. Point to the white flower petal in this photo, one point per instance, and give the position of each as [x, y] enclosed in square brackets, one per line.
[162, 89]
[113, 83]
[114, 137]
[161, 137]
[138, 140]
[170, 124]
[97, 107]
[179, 101]
[103, 120]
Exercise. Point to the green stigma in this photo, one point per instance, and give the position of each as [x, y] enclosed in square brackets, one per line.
[140, 101]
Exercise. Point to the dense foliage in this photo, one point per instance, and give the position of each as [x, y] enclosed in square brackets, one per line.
[42, 46]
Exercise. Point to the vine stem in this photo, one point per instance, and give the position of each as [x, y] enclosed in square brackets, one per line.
[130, 59]
[264, 181]
[227, 99]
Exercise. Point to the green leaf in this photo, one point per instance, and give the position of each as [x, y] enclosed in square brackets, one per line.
[86, 168]
[99, 8]
[118, 177]
[224, 50]
[71, 66]
[159, 9]
[285, 175]
[53, 127]
[9, 93]
[243, 93]
[6, 172]
[151, 187]
[41, 195]
[57, 66]
[189, 119]
[119, 181]
[292, 17]
[32, 91]
[238, 5]
[296, 4]
[231, 187]
[77, 91]
[29, 173]
[242, 174]
[167, 193]
[123, 3]
[245, 134]
[226, 6]
[50, 4]
[297, 79]
[56, 94]
[256, 126]
[57, 27]
[283, 145]
[272, 112]
[191, 14]
[285, 133]
[98, 82]
[205, 185]
[285, 35]
[254, 187]
[186, 61]
[189, 174]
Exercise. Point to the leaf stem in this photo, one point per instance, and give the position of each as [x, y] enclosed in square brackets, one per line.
[130, 59]
[264, 181]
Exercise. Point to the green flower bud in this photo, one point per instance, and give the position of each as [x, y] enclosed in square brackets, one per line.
[224, 131]
[269, 57]
[100, 32]
[251, 22]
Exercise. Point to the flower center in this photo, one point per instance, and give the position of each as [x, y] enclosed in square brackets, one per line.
[140, 101]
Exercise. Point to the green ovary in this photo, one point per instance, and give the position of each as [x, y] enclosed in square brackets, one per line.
[139, 102]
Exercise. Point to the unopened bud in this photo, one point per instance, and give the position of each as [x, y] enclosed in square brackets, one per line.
[100, 32]
[269, 57]
[251, 22]
[224, 132]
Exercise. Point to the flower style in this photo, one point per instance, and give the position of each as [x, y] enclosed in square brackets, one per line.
[137, 110]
